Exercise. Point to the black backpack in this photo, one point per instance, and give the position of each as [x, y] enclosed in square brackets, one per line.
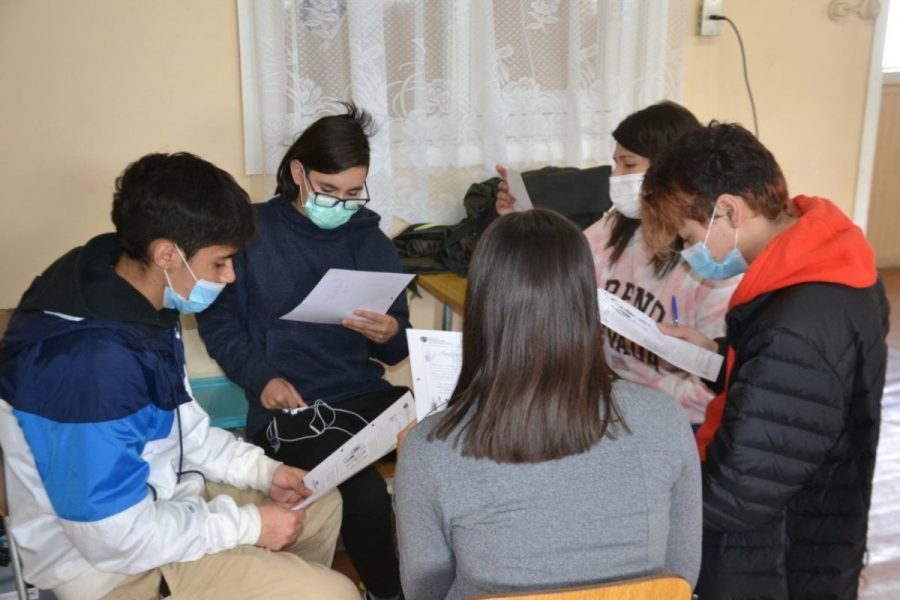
[582, 195]
[419, 247]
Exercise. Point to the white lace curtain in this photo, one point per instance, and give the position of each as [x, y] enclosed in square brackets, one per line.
[456, 86]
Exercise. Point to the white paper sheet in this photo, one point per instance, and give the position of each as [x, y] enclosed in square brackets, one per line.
[435, 358]
[518, 190]
[630, 322]
[371, 443]
[341, 291]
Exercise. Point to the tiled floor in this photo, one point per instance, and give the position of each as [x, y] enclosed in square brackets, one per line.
[881, 578]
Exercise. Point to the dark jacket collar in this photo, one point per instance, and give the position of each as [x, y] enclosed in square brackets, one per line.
[82, 283]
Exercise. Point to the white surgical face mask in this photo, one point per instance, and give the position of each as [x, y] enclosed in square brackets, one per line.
[625, 194]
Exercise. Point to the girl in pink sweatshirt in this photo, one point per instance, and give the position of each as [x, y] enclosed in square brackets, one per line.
[656, 285]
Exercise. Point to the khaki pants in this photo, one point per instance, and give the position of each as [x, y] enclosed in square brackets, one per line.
[300, 571]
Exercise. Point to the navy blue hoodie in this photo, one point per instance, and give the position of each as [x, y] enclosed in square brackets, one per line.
[243, 331]
[90, 389]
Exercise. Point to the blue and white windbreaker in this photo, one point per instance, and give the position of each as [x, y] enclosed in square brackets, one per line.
[96, 422]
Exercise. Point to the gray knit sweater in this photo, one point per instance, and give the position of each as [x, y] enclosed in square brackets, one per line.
[626, 508]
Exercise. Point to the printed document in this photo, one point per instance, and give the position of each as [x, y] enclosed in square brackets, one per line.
[435, 358]
[626, 320]
[372, 442]
[340, 292]
[518, 191]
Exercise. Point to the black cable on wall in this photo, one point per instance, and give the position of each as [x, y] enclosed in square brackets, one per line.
[744, 62]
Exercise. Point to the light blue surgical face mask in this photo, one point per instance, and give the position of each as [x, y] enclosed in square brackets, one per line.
[326, 217]
[202, 295]
[330, 212]
[700, 259]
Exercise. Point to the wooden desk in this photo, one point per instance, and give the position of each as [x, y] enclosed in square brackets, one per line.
[448, 288]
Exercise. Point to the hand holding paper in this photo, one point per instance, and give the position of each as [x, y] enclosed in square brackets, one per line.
[341, 292]
[374, 326]
[518, 191]
[505, 203]
[287, 485]
[371, 443]
[628, 321]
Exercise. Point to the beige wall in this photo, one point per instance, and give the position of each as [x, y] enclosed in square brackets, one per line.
[808, 75]
[884, 212]
[88, 86]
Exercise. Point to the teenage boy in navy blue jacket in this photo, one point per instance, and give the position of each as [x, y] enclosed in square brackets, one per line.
[317, 221]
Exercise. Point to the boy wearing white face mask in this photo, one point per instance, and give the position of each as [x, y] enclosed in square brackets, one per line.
[119, 487]
[624, 266]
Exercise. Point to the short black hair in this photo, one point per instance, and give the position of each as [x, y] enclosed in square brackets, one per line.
[330, 145]
[183, 198]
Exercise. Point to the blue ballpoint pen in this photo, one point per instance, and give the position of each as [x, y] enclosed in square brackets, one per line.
[674, 305]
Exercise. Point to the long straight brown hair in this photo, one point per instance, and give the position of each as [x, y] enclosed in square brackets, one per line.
[534, 384]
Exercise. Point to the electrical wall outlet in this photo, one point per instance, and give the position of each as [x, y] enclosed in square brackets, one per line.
[709, 27]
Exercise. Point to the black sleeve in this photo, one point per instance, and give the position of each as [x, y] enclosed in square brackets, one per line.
[719, 384]
[784, 411]
[223, 328]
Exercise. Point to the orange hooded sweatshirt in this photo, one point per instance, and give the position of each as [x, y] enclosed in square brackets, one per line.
[823, 246]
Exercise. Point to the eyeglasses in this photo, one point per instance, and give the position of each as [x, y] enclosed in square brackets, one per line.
[329, 201]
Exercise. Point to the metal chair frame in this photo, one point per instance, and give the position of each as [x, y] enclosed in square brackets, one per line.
[14, 560]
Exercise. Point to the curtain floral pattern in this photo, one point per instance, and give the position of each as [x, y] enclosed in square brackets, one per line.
[456, 86]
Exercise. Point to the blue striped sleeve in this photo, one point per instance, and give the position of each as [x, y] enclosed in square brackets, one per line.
[85, 403]
[94, 470]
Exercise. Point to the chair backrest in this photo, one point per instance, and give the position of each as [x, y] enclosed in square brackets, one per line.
[4, 507]
[15, 560]
[657, 587]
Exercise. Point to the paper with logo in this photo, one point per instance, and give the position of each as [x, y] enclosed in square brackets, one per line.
[628, 321]
[341, 291]
[435, 358]
[518, 190]
[371, 443]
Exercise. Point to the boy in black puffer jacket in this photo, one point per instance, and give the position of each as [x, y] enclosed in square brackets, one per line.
[788, 445]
